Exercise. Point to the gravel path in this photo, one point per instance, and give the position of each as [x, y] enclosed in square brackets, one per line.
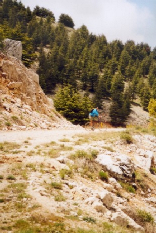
[44, 136]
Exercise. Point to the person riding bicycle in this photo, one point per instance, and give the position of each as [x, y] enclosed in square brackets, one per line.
[94, 116]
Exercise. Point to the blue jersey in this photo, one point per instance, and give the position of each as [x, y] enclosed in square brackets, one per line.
[94, 113]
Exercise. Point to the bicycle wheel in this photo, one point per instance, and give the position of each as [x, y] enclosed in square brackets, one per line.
[88, 126]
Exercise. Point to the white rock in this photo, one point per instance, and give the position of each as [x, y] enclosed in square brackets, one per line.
[99, 207]
[122, 219]
[106, 197]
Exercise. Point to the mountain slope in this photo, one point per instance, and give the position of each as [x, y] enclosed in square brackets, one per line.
[23, 104]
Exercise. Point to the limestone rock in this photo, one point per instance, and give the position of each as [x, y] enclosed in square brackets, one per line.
[119, 165]
[122, 219]
[106, 198]
[13, 48]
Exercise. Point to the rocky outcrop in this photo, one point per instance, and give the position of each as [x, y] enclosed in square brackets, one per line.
[23, 103]
[119, 165]
[13, 48]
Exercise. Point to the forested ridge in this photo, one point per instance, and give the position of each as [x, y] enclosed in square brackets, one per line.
[81, 61]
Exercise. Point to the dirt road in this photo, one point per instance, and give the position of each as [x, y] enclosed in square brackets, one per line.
[44, 136]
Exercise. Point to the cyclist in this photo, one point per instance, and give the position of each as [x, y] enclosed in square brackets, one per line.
[93, 116]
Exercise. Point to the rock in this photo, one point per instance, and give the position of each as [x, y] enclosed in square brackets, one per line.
[13, 48]
[113, 182]
[119, 165]
[99, 207]
[22, 96]
[122, 219]
[106, 198]
[14, 85]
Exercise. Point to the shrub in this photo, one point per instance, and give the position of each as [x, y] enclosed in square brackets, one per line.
[153, 170]
[127, 187]
[15, 118]
[89, 219]
[66, 20]
[103, 175]
[11, 177]
[145, 216]
[83, 154]
[56, 185]
[64, 172]
[60, 197]
[8, 123]
[126, 137]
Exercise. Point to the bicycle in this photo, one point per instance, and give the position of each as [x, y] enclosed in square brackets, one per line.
[95, 125]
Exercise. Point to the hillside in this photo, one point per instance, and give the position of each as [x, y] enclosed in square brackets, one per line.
[23, 104]
[57, 177]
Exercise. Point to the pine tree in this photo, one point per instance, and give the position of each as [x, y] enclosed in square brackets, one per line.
[71, 105]
[120, 108]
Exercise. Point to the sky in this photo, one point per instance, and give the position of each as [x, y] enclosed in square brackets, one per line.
[116, 19]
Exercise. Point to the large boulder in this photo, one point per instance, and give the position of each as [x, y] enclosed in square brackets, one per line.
[118, 165]
[13, 48]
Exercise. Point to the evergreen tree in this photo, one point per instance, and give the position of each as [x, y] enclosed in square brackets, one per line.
[145, 96]
[152, 107]
[124, 61]
[66, 20]
[152, 74]
[71, 105]
[120, 108]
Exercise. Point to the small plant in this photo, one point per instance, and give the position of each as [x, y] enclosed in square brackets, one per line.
[103, 175]
[31, 153]
[64, 140]
[94, 153]
[90, 155]
[21, 224]
[56, 185]
[8, 123]
[15, 118]
[1, 177]
[60, 197]
[153, 170]
[64, 172]
[8, 146]
[89, 219]
[127, 187]
[31, 166]
[126, 137]
[145, 216]
[108, 148]
[11, 177]
[79, 154]
[26, 141]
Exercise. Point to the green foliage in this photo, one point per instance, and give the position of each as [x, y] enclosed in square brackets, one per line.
[127, 187]
[126, 137]
[103, 175]
[89, 219]
[56, 185]
[90, 155]
[81, 59]
[71, 105]
[64, 172]
[145, 216]
[66, 20]
[145, 95]
[152, 108]
[153, 170]
[120, 108]
[43, 12]
[11, 177]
